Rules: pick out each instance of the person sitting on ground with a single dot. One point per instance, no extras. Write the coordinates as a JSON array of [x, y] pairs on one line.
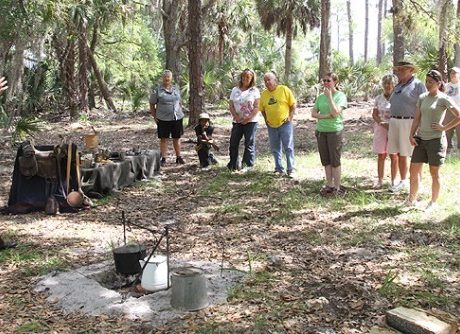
[[453, 90], [430, 144], [328, 109], [381, 116], [204, 131]]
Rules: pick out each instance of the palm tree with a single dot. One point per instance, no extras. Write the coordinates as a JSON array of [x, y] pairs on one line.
[[287, 16], [325, 42]]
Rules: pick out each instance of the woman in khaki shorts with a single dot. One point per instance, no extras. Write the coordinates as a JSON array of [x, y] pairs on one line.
[[430, 143]]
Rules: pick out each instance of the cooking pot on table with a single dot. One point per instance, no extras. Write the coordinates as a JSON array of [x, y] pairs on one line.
[[127, 259]]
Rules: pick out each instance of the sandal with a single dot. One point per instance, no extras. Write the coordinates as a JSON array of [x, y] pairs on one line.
[[325, 190], [339, 192]]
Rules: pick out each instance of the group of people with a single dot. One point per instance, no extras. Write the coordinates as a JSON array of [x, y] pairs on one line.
[[411, 120]]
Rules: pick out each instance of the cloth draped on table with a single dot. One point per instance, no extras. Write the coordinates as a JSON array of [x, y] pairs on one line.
[[102, 180]]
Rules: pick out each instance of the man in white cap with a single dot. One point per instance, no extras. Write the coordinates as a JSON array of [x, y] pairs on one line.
[[403, 107], [453, 90]]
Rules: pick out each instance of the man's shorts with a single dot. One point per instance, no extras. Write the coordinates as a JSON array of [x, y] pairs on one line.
[[398, 137], [330, 147], [431, 151], [170, 129]]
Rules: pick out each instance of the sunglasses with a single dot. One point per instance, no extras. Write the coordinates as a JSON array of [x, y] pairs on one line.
[[327, 80]]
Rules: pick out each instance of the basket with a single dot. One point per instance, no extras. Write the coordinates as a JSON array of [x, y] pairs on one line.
[[91, 141]]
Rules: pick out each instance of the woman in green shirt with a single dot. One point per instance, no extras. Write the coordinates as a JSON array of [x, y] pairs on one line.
[[328, 110]]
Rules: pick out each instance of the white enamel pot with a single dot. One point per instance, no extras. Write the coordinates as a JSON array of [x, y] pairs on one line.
[[155, 274]]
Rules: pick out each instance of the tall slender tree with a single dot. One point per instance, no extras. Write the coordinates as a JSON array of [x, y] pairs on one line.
[[325, 42], [379, 33], [195, 55], [366, 29], [446, 9], [457, 30], [286, 16], [398, 30], [350, 33]]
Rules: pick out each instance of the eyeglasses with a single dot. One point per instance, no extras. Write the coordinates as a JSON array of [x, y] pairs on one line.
[[327, 80]]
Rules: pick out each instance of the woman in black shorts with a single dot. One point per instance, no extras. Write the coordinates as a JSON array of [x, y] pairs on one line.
[[166, 108], [430, 142]]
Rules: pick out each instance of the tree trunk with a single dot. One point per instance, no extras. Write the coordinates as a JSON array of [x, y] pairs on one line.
[[288, 51], [366, 29], [457, 29], [385, 11], [350, 33], [379, 33], [91, 83], [173, 36], [16, 73], [325, 42], [83, 69], [443, 22], [101, 83], [398, 31], [195, 55], [70, 79], [223, 30]]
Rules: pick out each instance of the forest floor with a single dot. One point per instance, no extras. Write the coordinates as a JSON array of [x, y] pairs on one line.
[[314, 264]]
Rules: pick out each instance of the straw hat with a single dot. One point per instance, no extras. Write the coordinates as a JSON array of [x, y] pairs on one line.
[[203, 115], [406, 64]]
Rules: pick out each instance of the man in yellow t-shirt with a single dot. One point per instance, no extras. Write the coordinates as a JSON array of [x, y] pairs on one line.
[[278, 104]]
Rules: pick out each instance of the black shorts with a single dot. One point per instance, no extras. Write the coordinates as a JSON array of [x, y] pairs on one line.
[[431, 151], [170, 129]]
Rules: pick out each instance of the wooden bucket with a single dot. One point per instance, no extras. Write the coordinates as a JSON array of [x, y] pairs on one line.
[[91, 140]]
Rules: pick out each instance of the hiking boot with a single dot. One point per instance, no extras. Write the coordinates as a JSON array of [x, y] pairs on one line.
[[180, 160]]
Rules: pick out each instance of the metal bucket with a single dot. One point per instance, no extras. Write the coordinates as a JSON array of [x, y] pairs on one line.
[[189, 289]]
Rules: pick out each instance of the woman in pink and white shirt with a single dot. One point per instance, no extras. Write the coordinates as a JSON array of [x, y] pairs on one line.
[[381, 115]]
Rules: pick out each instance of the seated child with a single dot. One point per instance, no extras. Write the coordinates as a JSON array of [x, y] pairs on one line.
[[204, 131]]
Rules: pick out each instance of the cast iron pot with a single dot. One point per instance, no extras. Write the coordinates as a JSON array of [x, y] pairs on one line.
[[127, 259]]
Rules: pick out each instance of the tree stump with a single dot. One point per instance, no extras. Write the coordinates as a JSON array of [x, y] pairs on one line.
[[189, 289]]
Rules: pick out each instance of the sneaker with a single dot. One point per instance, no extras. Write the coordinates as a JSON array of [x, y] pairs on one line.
[[163, 162], [180, 160], [401, 186], [432, 206], [292, 174], [206, 168], [246, 169], [277, 172]]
